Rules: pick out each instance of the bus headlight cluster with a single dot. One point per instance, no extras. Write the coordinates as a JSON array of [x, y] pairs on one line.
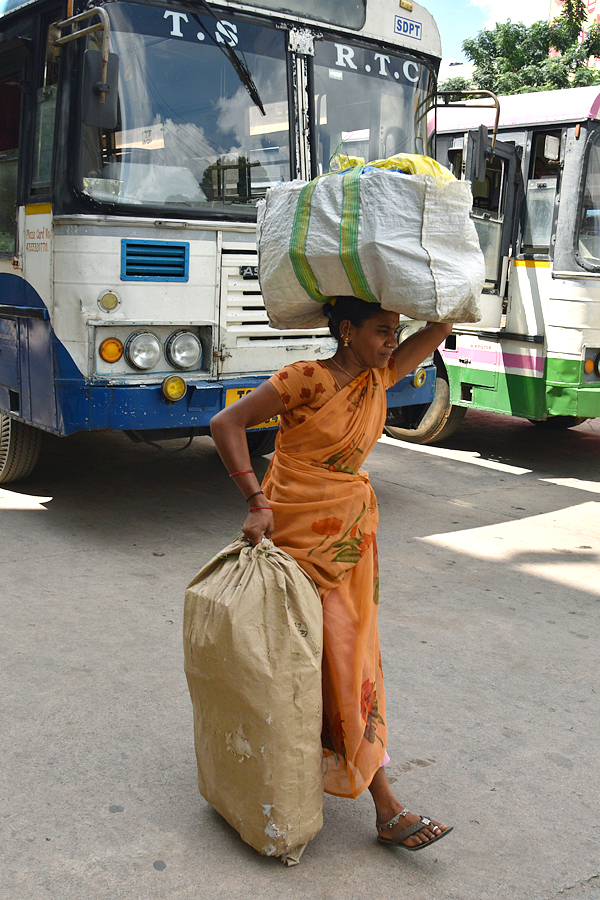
[[143, 350]]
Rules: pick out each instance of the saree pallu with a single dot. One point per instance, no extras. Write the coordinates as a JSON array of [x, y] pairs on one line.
[[326, 518]]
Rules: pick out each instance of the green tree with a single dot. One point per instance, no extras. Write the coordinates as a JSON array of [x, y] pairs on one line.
[[455, 84], [512, 58]]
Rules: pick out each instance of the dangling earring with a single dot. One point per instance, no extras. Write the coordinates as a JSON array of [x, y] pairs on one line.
[[345, 340]]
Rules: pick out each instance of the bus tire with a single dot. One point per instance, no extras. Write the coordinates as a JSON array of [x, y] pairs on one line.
[[19, 449], [428, 423], [559, 423], [261, 442]]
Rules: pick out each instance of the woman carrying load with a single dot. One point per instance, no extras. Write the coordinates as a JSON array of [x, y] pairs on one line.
[[316, 504]]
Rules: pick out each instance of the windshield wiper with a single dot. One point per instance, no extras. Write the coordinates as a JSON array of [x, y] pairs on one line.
[[239, 64]]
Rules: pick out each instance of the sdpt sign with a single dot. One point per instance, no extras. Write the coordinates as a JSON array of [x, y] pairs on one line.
[[408, 28]]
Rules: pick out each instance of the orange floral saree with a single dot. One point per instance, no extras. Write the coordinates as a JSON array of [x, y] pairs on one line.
[[326, 518]]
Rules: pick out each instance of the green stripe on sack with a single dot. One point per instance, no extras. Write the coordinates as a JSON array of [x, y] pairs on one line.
[[348, 239], [297, 250], [349, 236]]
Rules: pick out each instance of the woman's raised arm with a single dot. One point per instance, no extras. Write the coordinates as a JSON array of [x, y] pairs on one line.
[[411, 352]]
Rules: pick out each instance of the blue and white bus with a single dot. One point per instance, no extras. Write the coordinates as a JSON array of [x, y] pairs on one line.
[[135, 140]]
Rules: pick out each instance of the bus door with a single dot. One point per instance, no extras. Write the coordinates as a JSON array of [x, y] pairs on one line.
[[472, 357], [12, 77], [27, 111], [495, 180], [495, 186]]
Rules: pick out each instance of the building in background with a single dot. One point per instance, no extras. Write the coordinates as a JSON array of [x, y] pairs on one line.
[[593, 10]]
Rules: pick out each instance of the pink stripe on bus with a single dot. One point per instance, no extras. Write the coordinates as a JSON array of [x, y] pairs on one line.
[[520, 361], [493, 360]]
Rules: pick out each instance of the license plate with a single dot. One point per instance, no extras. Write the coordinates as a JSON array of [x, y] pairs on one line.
[[233, 394]]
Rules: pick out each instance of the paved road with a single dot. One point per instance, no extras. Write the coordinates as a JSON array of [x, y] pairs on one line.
[[490, 621]]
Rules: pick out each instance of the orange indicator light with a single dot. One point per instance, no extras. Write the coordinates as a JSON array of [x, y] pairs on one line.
[[111, 350]]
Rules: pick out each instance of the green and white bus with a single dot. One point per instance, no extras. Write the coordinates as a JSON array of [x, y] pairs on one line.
[[536, 208]]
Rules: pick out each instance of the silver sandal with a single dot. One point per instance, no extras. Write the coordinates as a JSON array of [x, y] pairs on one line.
[[397, 840]]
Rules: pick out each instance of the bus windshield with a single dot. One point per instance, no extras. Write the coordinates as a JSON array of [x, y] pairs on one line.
[[589, 219], [188, 134], [190, 138], [369, 104]]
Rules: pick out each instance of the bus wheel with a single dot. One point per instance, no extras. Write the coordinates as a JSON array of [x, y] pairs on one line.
[[427, 423], [261, 442], [19, 449], [558, 423]]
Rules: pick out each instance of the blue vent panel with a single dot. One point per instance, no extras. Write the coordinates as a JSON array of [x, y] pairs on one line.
[[154, 261]]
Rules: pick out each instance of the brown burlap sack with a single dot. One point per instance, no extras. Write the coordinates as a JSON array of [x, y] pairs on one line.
[[253, 644]]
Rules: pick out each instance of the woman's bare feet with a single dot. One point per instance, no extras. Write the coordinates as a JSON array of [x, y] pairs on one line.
[[389, 808]]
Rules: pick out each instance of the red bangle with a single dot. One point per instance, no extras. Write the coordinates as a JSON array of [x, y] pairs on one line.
[[252, 508], [245, 472]]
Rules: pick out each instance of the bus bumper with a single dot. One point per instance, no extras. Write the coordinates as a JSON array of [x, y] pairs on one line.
[[90, 407]]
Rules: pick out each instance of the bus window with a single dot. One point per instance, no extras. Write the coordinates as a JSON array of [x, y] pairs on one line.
[[488, 215], [455, 161], [368, 105], [589, 218], [45, 116], [188, 135], [10, 114], [541, 192]]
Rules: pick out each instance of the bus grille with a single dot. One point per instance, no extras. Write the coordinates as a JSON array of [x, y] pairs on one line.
[[154, 261], [246, 317]]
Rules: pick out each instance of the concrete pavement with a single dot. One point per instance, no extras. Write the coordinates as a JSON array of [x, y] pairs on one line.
[[490, 622]]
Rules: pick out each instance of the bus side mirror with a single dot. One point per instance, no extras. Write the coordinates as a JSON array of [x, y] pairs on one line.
[[94, 112]]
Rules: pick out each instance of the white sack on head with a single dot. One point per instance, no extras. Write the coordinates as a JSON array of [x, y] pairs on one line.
[[405, 241]]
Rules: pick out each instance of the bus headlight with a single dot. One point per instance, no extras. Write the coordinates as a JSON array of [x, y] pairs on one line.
[[183, 350], [407, 329], [142, 350]]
